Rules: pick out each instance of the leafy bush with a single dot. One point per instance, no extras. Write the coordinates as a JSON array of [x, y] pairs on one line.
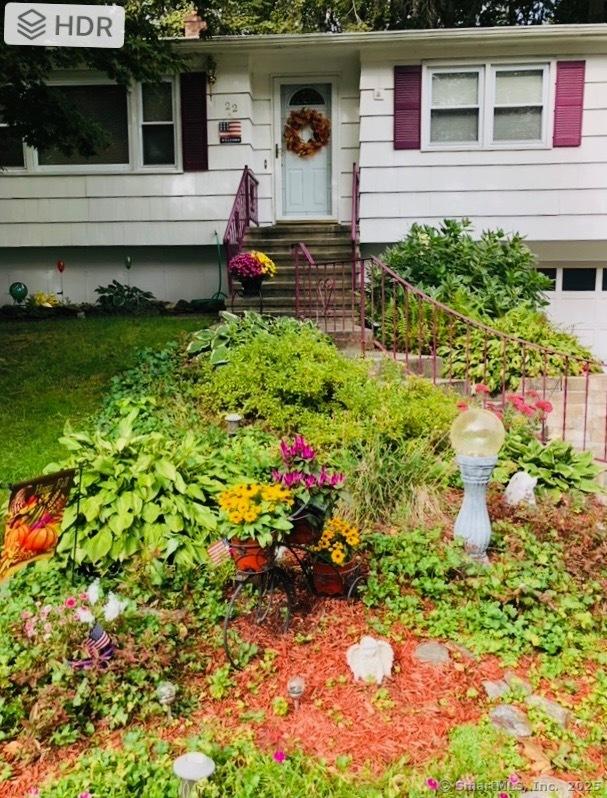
[[478, 357], [559, 468], [302, 383], [117, 296], [144, 495], [238, 330], [526, 600], [496, 272]]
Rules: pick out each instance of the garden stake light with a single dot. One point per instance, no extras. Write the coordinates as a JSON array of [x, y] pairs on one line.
[[191, 769], [477, 436], [233, 422], [295, 689]]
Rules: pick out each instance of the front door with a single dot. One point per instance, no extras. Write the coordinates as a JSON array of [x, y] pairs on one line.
[[306, 181]]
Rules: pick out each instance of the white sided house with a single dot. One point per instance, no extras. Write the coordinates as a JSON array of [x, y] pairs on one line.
[[506, 126]]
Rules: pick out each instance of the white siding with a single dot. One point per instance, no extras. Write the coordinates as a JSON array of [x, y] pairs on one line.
[[165, 209], [546, 194]]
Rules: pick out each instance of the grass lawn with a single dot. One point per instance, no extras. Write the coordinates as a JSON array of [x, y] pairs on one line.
[[52, 371]]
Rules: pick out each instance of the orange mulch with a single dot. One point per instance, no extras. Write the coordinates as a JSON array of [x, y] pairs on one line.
[[412, 715]]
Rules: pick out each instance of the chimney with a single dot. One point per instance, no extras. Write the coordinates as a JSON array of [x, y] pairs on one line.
[[193, 26]]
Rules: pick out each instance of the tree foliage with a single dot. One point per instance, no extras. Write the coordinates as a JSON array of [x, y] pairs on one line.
[[42, 117]]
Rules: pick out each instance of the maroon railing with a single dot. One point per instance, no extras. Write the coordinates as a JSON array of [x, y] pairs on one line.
[[355, 221], [244, 212], [432, 340], [323, 292]]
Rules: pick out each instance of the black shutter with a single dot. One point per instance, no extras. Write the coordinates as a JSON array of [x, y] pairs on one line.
[[194, 121]]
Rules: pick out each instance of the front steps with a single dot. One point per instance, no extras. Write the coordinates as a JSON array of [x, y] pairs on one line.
[[330, 245]]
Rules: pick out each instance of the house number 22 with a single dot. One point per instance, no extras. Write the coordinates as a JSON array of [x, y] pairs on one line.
[[231, 108]]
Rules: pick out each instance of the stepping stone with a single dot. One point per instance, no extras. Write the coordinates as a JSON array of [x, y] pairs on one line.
[[495, 690], [555, 711], [432, 653], [549, 786], [511, 720], [516, 682]]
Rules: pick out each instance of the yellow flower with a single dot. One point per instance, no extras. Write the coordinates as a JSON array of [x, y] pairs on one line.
[[338, 557]]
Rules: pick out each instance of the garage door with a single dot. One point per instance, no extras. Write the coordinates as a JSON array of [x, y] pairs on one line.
[[578, 303]]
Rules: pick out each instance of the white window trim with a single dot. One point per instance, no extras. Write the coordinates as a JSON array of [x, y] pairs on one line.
[[134, 119], [176, 122], [542, 142], [487, 71]]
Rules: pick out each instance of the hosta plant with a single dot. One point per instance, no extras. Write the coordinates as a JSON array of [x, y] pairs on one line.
[[142, 496]]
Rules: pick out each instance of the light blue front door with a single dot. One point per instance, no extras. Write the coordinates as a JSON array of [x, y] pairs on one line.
[[306, 182]]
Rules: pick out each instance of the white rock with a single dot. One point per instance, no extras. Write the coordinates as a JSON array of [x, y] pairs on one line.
[[371, 659]]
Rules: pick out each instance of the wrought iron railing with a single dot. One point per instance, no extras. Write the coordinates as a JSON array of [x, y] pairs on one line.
[[324, 292], [244, 212], [385, 312]]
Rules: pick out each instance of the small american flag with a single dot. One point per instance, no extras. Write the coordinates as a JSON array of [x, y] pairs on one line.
[[99, 645], [219, 552]]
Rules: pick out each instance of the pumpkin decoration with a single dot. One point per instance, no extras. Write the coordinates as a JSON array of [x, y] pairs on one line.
[[296, 122]]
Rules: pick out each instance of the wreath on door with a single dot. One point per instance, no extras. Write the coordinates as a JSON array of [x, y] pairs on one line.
[[296, 122]]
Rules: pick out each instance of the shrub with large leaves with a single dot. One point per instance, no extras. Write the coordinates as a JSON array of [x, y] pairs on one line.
[[144, 495], [495, 272]]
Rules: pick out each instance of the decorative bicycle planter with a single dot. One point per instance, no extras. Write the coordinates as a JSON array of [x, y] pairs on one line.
[[307, 526]]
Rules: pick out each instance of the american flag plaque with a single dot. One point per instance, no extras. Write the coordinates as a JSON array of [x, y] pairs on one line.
[[230, 132]]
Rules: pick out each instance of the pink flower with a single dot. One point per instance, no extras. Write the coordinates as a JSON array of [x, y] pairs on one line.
[[544, 405], [525, 409], [462, 406], [515, 399], [514, 779], [26, 614], [481, 388], [85, 794], [533, 394], [70, 603], [33, 792], [84, 597], [432, 784], [45, 611], [279, 756], [30, 628], [503, 795]]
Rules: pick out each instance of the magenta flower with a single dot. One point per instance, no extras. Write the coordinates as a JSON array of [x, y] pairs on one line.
[[245, 265], [514, 779], [432, 784], [85, 794], [503, 795], [70, 603], [279, 756], [481, 388], [544, 405]]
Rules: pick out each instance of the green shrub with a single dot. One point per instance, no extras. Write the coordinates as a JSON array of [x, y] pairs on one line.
[[300, 383], [150, 496], [496, 272], [235, 331], [479, 357], [559, 468], [117, 297]]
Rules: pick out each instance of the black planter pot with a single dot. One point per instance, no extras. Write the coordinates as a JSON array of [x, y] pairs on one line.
[[251, 286]]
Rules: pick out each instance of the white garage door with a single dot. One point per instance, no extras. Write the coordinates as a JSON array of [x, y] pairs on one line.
[[578, 303]]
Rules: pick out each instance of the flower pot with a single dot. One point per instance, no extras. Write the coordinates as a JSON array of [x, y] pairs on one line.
[[307, 527], [251, 286], [250, 557], [333, 580]]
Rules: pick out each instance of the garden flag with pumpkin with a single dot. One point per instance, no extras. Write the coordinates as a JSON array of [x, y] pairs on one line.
[[33, 522]]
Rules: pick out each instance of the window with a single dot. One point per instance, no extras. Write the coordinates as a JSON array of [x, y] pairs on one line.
[[579, 279], [11, 148], [307, 96], [519, 104], [106, 105], [604, 279], [489, 105], [157, 124], [455, 106], [550, 273]]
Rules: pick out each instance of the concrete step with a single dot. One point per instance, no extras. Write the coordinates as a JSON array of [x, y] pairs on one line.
[[255, 237], [298, 229], [321, 254]]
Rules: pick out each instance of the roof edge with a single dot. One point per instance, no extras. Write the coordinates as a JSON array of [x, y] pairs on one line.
[[520, 33]]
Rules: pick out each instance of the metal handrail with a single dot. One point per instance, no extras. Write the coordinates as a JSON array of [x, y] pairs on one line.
[[244, 212]]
